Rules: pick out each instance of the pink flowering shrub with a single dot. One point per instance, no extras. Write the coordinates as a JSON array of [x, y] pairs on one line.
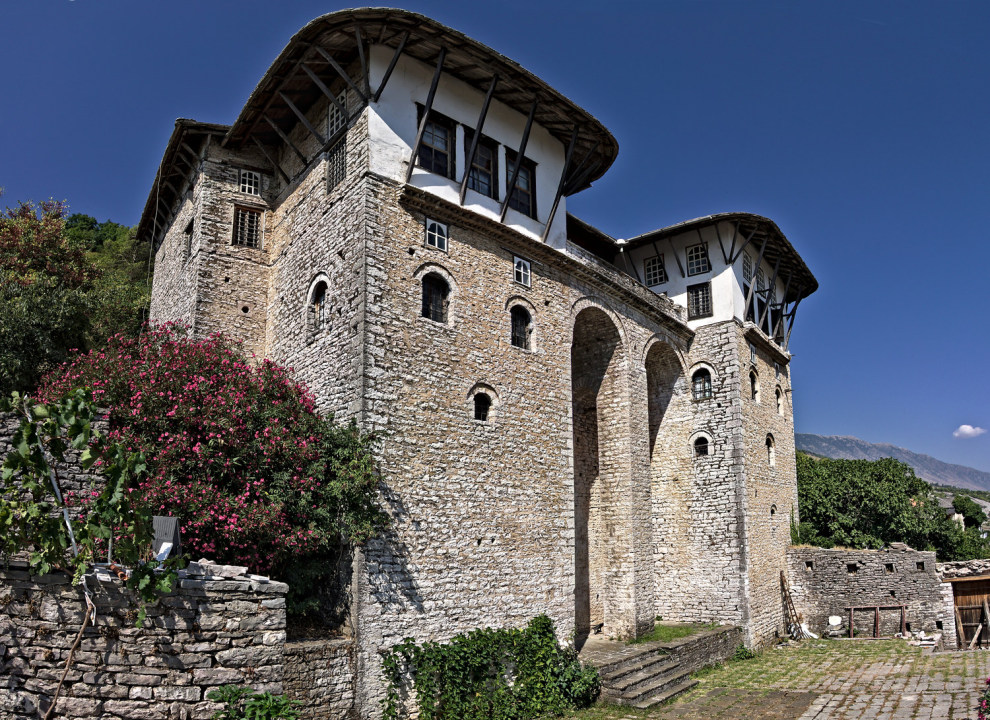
[[983, 712], [236, 451]]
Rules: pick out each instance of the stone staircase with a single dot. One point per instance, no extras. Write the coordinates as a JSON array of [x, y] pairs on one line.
[[647, 674]]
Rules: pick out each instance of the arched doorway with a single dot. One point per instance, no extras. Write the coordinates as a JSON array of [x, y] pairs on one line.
[[600, 406]]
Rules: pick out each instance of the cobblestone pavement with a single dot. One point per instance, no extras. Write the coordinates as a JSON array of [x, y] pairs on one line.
[[835, 680]]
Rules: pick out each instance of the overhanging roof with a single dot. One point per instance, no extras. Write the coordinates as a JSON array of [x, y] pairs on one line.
[[344, 36], [757, 230]]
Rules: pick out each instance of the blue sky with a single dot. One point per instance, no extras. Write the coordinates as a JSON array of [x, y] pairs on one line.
[[860, 127]]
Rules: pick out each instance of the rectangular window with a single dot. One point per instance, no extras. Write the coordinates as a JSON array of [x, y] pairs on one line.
[[483, 173], [523, 196], [656, 274], [436, 234], [752, 353], [337, 164], [335, 119], [761, 281], [521, 271], [697, 259], [699, 301], [247, 227], [436, 149], [747, 268], [187, 236], [250, 182]]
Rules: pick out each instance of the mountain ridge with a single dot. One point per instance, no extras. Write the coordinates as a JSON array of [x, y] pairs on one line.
[[847, 447]]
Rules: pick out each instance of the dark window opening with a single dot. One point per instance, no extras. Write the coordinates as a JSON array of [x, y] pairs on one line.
[[701, 385], [436, 149], [317, 309], [888, 568], [522, 325], [699, 301], [701, 447], [852, 568], [523, 197], [337, 164], [809, 565], [482, 404], [435, 293], [483, 173], [938, 624], [754, 387], [247, 227], [187, 236], [920, 565]]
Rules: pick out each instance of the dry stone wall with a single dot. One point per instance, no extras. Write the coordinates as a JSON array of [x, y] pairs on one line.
[[829, 582], [220, 626], [319, 674]]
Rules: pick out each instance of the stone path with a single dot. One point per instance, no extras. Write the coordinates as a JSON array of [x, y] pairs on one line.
[[835, 680]]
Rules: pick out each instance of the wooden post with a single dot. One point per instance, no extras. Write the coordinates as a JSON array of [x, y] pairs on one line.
[[520, 156], [960, 633], [426, 114], [876, 622], [391, 66], [850, 622], [476, 138]]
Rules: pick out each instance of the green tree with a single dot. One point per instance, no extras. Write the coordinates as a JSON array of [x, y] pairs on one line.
[[972, 513]]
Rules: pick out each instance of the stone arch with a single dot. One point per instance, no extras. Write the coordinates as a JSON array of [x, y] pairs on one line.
[[316, 313], [602, 448], [588, 302], [664, 379], [517, 301], [433, 268]]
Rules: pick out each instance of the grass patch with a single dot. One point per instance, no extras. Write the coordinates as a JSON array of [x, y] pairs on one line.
[[674, 631]]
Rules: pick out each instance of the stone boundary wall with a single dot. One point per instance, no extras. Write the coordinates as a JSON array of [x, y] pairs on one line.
[[707, 648], [220, 626], [826, 582], [320, 675], [963, 569]]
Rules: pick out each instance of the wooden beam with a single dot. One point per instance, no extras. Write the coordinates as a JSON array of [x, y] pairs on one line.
[[340, 71], [732, 247], [426, 113], [718, 236], [365, 73], [782, 305], [477, 138], [520, 155], [275, 165], [302, 118], [630, 264], [391, 66], [285, 139], [752, 283], [790, 325], [773, 281], [325, 90], [744, 246], [580, 172], [568, 156], [959, 629], [678, 259]]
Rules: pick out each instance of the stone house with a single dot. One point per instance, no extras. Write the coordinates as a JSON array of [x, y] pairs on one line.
[[596, 429]]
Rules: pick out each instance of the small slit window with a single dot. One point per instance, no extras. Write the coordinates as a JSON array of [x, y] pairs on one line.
[[316, 309], [655, 272], [754, 386], [522, 327], [701, 385], [187, 236], [247, 227], [521, 271], [435, 295], [699, 301], [337, 164], [780, 401], [436, 235], [701, 447], [250, 182], [771, 451], [482, 406], [697, 259], [752, 353]]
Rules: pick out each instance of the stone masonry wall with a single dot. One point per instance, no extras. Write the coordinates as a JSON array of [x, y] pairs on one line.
[[320, 675], [827, 582], [220, 626]]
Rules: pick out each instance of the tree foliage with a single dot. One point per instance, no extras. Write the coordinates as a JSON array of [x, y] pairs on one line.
[[870, 504], [65, 285], [972, 513], [237, 451]]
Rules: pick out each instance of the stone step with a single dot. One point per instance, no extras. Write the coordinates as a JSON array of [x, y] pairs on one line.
[[631, 660], [669, 693], [657, 687], [641, 664], [633, 678]]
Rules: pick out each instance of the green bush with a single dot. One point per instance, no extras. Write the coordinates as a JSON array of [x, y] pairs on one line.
[[241, 703], [491, 674]]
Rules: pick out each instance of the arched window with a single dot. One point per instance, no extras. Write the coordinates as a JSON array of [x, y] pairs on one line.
[[780, 402], [771, 453], [701, 384], [482, 404], [701, 446], [435, 292], [522, 327], [316, 309], [754, 386]]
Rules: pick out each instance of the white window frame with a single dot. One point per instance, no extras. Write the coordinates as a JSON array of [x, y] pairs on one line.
[[250, 182], [522, 271], [436, 234], [700, 263], [335, 121], [653, 266], [747, 268]]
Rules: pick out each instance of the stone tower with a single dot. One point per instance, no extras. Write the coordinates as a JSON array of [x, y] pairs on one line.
[[595, 429]]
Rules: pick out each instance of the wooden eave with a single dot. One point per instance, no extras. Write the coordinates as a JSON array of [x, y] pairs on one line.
[[756, 229], [591, 239], [176, 174], [346, 37]]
